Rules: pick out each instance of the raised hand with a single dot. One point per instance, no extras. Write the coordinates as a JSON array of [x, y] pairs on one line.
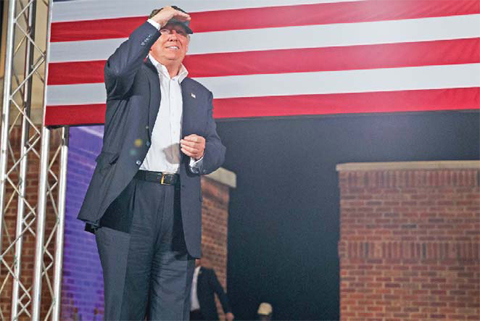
[[166, 13]]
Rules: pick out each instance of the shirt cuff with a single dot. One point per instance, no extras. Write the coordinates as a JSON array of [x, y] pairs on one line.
[[154, 23], [196, 165]]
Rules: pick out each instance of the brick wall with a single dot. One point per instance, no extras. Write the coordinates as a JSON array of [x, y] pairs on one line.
[[216, 197], [82, 284], [410, 241]]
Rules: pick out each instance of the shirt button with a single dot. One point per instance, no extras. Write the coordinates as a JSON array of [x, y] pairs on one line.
[[138, 162]]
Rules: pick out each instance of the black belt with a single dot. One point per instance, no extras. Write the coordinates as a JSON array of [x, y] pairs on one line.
[[158, 177]]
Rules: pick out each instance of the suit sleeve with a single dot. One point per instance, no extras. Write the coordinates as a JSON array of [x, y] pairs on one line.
[[214, 155], [122, 66], [218, 289]]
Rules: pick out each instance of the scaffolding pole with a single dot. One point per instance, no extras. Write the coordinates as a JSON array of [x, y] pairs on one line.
[[39, 214]]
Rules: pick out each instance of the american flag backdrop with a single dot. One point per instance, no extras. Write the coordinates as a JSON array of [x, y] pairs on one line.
[[283, 57]]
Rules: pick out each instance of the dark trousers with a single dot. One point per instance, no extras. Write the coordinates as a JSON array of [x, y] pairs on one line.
[[196, 315], [146, 268]]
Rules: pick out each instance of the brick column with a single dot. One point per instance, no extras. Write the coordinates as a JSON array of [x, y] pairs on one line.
[[410, 241], [216, 197]]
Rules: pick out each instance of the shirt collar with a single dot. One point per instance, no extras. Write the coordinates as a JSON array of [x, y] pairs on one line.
[[162, 70]]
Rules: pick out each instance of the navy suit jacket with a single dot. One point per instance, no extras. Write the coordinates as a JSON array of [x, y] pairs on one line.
[[133, 101]]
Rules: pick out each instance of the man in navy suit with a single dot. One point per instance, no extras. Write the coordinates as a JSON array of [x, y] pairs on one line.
[[144, 200]]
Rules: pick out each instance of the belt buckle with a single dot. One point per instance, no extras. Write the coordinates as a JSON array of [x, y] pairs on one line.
[[162, 180]]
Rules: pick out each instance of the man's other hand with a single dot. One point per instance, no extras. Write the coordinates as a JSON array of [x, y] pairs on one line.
[[229, 316], [193, 146]]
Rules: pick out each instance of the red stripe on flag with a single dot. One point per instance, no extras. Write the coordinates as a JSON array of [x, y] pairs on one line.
[[82, 72], [274, 17], [445, 52], [375, 102], [330, 13], [75, 115]]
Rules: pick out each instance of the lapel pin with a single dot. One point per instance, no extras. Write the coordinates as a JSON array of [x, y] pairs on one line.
[[193, 95]]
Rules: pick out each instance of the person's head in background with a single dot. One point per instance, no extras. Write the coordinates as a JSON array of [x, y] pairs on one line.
[[265, 311]]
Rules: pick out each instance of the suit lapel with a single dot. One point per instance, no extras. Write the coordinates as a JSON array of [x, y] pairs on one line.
[[187, 97], [155, 95]]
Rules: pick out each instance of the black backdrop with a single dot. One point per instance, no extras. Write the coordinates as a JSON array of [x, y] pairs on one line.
[[284, 213]]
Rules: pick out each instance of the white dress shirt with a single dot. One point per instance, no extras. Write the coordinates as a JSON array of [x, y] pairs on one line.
[[164, 154], [195, 305]]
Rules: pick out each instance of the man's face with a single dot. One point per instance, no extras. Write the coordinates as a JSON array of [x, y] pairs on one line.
[[172, 46]]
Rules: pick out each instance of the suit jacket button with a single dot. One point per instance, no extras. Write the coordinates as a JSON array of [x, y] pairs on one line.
[[138, 162], [147, 144]]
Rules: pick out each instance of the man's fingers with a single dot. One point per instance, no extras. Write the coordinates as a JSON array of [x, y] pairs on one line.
[[191, 154], [187, 143], [182, 16], [164, 15], [190, 149], [197, 145], [186, 152], [194, 138], [193, 145]]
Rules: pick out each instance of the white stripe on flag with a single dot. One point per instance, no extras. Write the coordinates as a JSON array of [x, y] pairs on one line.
[[352, 81], [347, 34], [109, 9]]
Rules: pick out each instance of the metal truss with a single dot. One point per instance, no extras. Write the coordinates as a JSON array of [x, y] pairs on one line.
[[32, 205]]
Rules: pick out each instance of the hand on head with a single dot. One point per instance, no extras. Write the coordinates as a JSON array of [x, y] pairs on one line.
[[163, 15]]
